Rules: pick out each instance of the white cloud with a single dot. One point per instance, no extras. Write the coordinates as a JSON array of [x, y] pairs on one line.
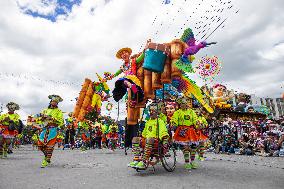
[[275, 54], [45, 7]]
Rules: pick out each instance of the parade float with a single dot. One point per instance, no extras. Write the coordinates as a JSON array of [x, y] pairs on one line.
[[145, 73], [224, 107]]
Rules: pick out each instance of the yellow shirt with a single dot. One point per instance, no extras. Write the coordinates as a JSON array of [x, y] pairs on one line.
[[35, 137], [113, 126], [104, 128], [13, 117], [150, 130], [56, 114], [96, 101], [163, 117], [184, 118]]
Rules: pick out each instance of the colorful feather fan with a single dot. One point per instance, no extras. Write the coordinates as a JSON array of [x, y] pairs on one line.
[[188, 87], [184, 66]]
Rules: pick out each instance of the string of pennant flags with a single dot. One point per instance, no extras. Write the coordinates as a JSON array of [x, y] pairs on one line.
[[210, 20], [22, 77]]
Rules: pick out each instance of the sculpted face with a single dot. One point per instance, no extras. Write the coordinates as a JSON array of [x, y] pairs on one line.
[[170, 109], [219, 91], [153, 112], [125, 56]]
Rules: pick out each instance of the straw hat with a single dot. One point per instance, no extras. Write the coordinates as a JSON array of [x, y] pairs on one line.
[[119, 53]]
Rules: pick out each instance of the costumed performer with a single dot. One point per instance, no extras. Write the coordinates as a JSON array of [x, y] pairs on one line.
[[9, 122], [155, 130], [183, 122], [52, 118]]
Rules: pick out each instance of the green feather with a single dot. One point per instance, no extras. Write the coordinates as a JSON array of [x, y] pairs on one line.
[[184, 66]]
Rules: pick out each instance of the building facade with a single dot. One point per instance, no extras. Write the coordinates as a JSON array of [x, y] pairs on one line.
[[275, 105]]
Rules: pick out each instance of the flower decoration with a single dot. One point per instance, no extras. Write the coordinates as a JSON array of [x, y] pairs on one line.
[[109, 106], [208, 68]]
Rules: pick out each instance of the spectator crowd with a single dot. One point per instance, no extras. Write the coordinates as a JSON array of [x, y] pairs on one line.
[[264, 137]]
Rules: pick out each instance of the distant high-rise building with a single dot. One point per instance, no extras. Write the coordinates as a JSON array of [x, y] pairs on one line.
[[275, 105]]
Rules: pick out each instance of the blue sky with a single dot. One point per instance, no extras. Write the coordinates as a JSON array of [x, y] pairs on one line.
[[63, 7]]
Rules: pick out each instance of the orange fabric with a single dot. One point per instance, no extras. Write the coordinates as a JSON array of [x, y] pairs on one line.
[[185, 134], [85, 138], [104, 139], [201, 136], [112, 136], [5, 131], [50, 143]]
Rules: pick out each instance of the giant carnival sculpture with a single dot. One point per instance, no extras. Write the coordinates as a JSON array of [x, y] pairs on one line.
[[144, 73]]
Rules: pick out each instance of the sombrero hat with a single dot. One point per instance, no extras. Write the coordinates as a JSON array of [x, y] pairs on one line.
[[56, 98], [118, 54]]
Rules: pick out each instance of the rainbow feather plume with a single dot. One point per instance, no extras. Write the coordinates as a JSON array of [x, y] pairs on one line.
[[184, 66], [188, 87]]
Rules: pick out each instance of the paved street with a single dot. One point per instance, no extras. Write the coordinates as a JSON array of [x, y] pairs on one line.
[[106, 169]]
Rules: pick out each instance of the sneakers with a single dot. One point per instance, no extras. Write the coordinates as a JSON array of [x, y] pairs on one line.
[[137, 165], [44, 163], [201, 158], [133, 164], [141, 165], [5, 154], [194, 165], [187, 166]]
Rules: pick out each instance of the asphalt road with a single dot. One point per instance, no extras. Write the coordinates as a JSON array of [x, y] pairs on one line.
[[106, 169]]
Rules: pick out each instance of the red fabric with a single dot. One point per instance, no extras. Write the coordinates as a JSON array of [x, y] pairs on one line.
[[104, 139], [85, 138], [50, 143], [185, 134], [5, 131], [112, 135], [98, 133], [133, 66], [202, 137]]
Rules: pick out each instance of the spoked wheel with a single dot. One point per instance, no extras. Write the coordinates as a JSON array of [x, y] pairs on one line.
[[169, 160]]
